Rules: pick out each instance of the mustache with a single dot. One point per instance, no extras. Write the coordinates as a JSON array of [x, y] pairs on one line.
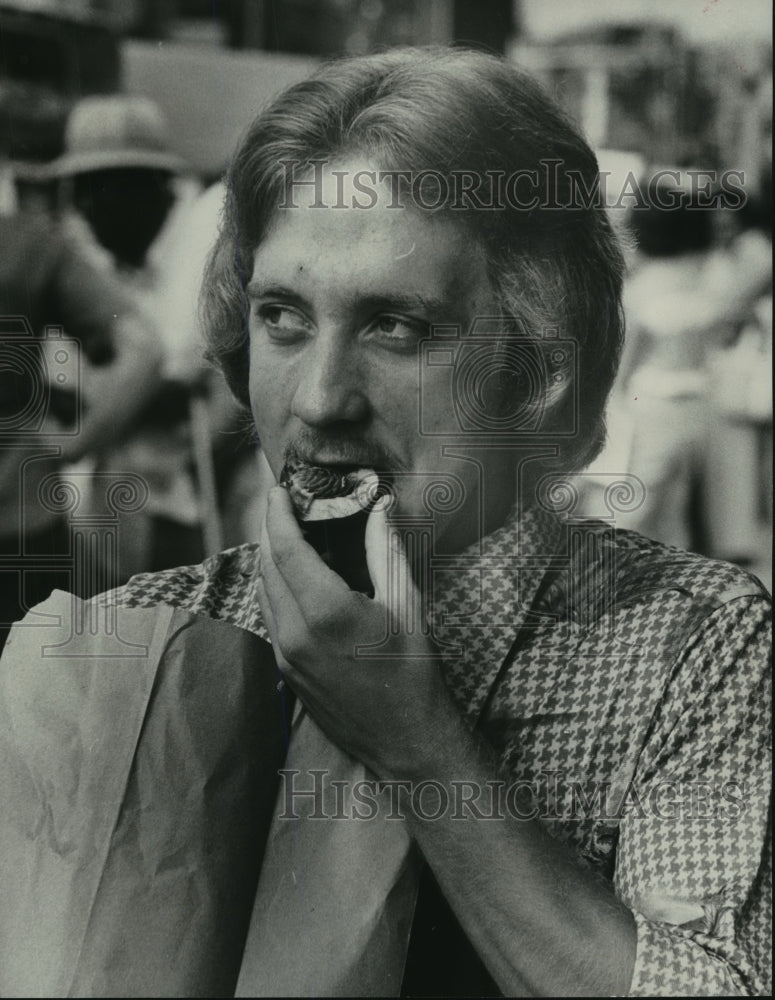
[[346, 449]]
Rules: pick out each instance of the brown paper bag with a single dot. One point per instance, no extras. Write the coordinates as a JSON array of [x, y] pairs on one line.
[[336, 894], [137, 784]]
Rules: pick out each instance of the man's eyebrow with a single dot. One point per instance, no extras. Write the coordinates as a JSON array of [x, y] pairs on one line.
[[258, 289], [368, 301], [403, 301]]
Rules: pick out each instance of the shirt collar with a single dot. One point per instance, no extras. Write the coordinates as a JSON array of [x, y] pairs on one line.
[[482, 597], [479, 601]]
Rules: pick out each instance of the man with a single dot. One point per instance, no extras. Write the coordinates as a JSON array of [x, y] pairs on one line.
[[556, 731], [118, 176]]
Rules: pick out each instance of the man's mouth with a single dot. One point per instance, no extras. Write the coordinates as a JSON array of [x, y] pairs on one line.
[[317, 487], [340, 453]]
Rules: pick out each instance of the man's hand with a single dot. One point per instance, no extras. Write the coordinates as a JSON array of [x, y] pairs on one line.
[[521, 896], [390, 709]]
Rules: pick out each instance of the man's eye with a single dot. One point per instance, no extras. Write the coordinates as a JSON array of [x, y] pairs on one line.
[[282, 322], [397, 332]]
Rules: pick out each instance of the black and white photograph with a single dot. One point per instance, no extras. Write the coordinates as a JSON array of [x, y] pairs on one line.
[[386, 498]]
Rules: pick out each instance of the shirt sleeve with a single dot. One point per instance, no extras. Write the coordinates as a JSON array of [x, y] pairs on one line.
[[693, 862]]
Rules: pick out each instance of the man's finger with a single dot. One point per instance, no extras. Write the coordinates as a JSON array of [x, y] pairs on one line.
[[275, 595], [288, 628], [377, 542], [304, 575], [267, 614], [391, 574]]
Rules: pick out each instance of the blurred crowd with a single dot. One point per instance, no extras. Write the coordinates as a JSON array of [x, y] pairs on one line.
[[103, 386], [690, 416], [102, 380]]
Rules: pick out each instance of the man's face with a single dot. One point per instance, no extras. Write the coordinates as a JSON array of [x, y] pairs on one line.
[[340, 300]]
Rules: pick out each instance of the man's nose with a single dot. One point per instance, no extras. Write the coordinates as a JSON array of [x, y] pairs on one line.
[[330, 388]]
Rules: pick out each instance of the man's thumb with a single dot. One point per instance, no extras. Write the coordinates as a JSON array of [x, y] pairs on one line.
[[390, 572]]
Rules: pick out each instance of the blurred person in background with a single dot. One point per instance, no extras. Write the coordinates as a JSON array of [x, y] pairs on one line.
[[738, 494], [53, 274], [685, 297], [118, 176], [230, 506]]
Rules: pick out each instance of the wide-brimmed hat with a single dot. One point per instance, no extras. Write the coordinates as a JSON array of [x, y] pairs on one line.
[[104, 133]]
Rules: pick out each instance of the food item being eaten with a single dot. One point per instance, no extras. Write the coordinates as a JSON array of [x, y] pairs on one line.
[[320, 492], [332, 505]]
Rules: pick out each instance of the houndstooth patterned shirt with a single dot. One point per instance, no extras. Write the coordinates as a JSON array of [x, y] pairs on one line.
[[626, 686]]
